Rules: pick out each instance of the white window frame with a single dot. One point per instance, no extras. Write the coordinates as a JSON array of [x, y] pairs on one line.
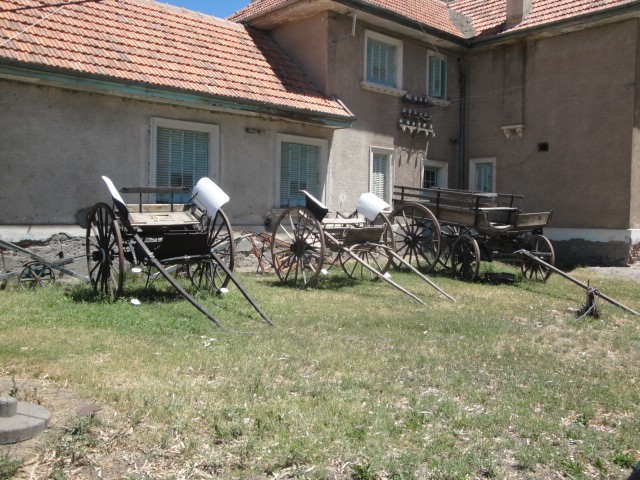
[[443, 172], [397, 89], [214, 144], [432, 53], [388, 152], [472, 172], [323, 162]]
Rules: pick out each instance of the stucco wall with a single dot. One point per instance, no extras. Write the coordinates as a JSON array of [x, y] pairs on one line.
[[635, 162], [578, 96], [56, 144]]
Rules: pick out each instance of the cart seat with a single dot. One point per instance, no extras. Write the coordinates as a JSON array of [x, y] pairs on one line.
[[315, 206]]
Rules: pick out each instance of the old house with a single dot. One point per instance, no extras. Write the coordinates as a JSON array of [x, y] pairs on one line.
[[521, 96]]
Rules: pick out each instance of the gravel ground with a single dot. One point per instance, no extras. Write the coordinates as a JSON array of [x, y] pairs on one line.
[[632, 272]]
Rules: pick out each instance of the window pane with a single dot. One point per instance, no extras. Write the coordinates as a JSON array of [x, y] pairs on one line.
[[182, 158], [381, 63], [298, 171], [430, 177]]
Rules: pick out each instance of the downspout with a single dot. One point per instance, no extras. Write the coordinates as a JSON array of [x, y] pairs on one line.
[[462, 121]]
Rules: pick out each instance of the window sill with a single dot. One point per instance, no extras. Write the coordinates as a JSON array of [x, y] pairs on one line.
[[438, 102], [396, 92]]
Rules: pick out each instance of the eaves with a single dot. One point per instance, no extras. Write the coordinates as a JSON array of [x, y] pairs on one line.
[[615, 14], [36, 74]]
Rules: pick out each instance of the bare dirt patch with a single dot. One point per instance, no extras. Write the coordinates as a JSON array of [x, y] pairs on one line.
[[63, 405]]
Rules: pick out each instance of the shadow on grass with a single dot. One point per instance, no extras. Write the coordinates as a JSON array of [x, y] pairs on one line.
[[84, 293], [329, 282]]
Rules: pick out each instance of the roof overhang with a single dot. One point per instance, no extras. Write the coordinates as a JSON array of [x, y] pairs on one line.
[[366, 12], [616, 14], [35, 74]]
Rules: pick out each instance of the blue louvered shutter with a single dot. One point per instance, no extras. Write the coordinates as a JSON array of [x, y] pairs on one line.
[[379, 174], [381, 63], [298, 171], [484, 177], [182, 158], [437, 77]]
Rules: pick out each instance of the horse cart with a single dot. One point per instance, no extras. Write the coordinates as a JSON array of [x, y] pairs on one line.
[[155, 238], [436, 228], [305, 239]]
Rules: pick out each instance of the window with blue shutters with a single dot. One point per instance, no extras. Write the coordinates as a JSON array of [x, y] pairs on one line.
[[182, 158], [383, 60], [181, 154], [436, 75], [299, 164], [482, 175], [380, 173]]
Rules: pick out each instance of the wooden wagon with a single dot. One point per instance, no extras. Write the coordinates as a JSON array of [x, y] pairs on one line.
[[456, 229]]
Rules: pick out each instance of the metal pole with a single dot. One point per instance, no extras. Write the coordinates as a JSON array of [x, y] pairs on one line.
[[242, 290], [416, 271], [380, 275], [576, 281], [172, 281]]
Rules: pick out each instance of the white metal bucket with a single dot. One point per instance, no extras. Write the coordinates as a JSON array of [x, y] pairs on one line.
[[370, 205], [208, 196]]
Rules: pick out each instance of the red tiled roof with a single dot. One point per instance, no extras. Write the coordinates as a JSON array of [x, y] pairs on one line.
[[490, 15], [483, 16], [430, 12], [161, 46]]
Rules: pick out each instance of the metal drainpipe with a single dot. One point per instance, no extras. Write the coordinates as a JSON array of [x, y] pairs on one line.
[[462, 138]]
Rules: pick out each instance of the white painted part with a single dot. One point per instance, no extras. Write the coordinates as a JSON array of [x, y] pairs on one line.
[[324, 271], [113, 190], [386, 275], [224, 291], [135, 301], [371, 205], [136, 270], [208, 196]]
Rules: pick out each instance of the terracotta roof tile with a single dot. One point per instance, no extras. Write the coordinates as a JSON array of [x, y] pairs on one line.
[[462, 18], [489, 16], [161, 46]]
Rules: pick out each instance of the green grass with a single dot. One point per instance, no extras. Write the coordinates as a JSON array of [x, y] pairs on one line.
[[356, 381]]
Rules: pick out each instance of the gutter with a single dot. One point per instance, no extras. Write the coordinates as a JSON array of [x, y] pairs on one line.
[[366, 7], [36, 74]]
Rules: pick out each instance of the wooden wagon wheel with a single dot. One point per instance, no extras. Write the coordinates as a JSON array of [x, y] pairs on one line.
[[297, 250], [208, 273], [541, 247], [36, 274], [105, 256], [465, 258], [417, 235], [374, 256]]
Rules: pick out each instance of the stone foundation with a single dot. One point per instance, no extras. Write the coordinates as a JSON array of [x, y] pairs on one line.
[[579, 252]]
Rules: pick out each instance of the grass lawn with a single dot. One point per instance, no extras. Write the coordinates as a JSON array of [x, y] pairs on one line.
[[355, 381]]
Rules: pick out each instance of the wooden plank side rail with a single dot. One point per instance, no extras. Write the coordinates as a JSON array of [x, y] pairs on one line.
[[454, 198]]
